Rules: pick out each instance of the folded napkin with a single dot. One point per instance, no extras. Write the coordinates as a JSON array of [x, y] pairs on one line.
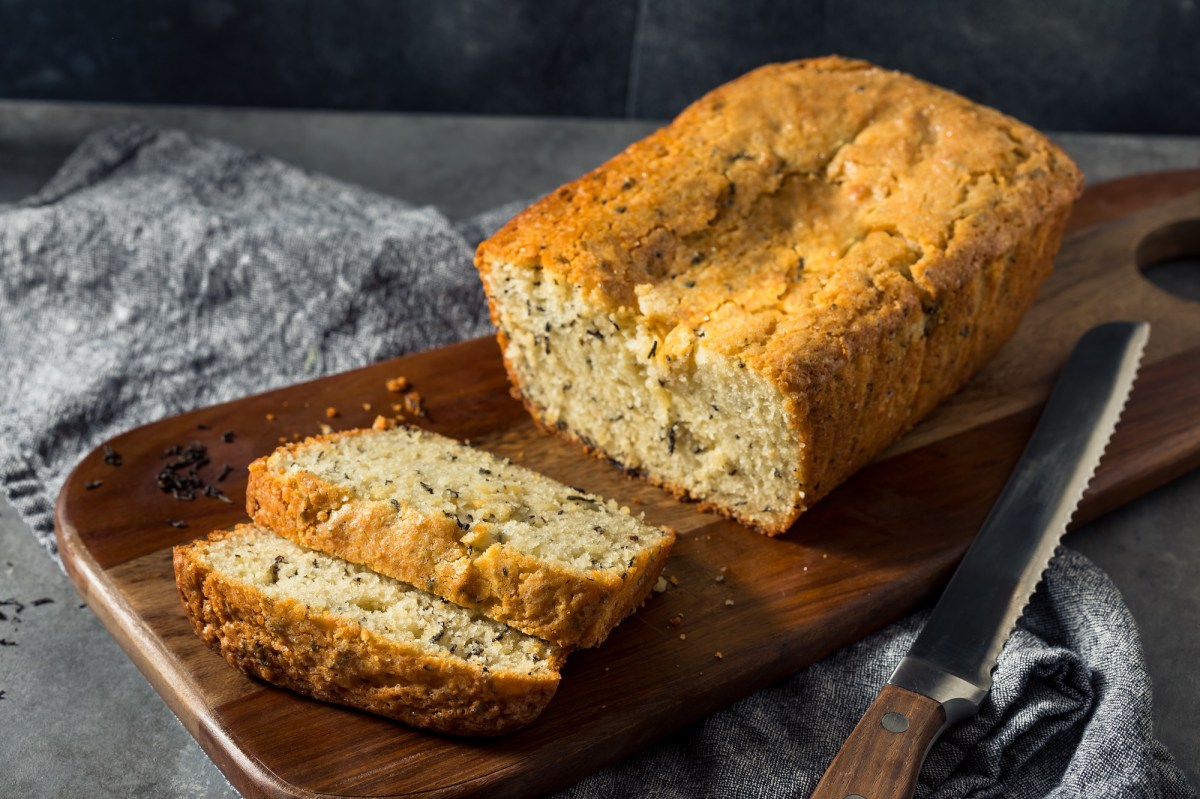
[[159, 272]]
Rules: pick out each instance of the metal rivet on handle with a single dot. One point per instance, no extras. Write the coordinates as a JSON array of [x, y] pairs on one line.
[[895, 722]]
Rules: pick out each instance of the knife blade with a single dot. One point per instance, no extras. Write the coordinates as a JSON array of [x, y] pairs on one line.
[[947, 672]]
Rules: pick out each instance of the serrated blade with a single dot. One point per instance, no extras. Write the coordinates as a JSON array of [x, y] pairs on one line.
[[952, 659]]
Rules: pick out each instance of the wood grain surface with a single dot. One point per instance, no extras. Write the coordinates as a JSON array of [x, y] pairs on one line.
[[742, 612]]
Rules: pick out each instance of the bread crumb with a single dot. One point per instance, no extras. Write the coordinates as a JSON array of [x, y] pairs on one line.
[[397, 407], [331, 412], [325, 429], [366, 406], [676, 620], [683, 636], [383, 423], [270, 417], [397, 384], [718, 655], [660, 585], [283, 439], [720, 578], [412, 404], [672, 579], [728, 603]]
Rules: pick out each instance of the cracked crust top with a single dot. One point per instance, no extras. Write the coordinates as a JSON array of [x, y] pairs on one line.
[[878, 175]]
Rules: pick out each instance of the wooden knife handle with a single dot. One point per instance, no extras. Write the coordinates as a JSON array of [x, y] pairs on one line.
[[883, 755]]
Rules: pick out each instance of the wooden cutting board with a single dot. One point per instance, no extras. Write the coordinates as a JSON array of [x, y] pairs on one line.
[[742, 612]]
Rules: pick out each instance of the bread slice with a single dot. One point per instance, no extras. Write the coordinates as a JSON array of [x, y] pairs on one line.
[[753, 302], [549, 560], [341, 633]]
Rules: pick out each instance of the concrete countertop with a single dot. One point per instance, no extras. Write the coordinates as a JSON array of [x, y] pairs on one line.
[[78, 719]]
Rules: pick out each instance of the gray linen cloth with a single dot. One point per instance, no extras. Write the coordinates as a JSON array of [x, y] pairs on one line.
[[159, 272]]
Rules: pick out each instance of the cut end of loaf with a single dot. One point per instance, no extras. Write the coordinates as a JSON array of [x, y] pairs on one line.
[[688, 419]]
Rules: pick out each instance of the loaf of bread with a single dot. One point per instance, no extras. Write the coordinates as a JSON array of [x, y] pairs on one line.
[[339, 632], [754, 301], [552, 561]]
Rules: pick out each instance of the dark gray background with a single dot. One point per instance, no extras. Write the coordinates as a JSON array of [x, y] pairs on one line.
[[1129, 66]]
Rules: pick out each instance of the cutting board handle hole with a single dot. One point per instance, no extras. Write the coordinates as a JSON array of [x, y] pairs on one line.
[[1169, 257]]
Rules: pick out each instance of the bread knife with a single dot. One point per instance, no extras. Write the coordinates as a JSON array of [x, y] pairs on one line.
[[947, 672]]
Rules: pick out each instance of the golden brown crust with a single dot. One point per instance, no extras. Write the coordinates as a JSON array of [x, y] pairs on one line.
[[333, 659], [570, 607], [863, 239], [854, 134]]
